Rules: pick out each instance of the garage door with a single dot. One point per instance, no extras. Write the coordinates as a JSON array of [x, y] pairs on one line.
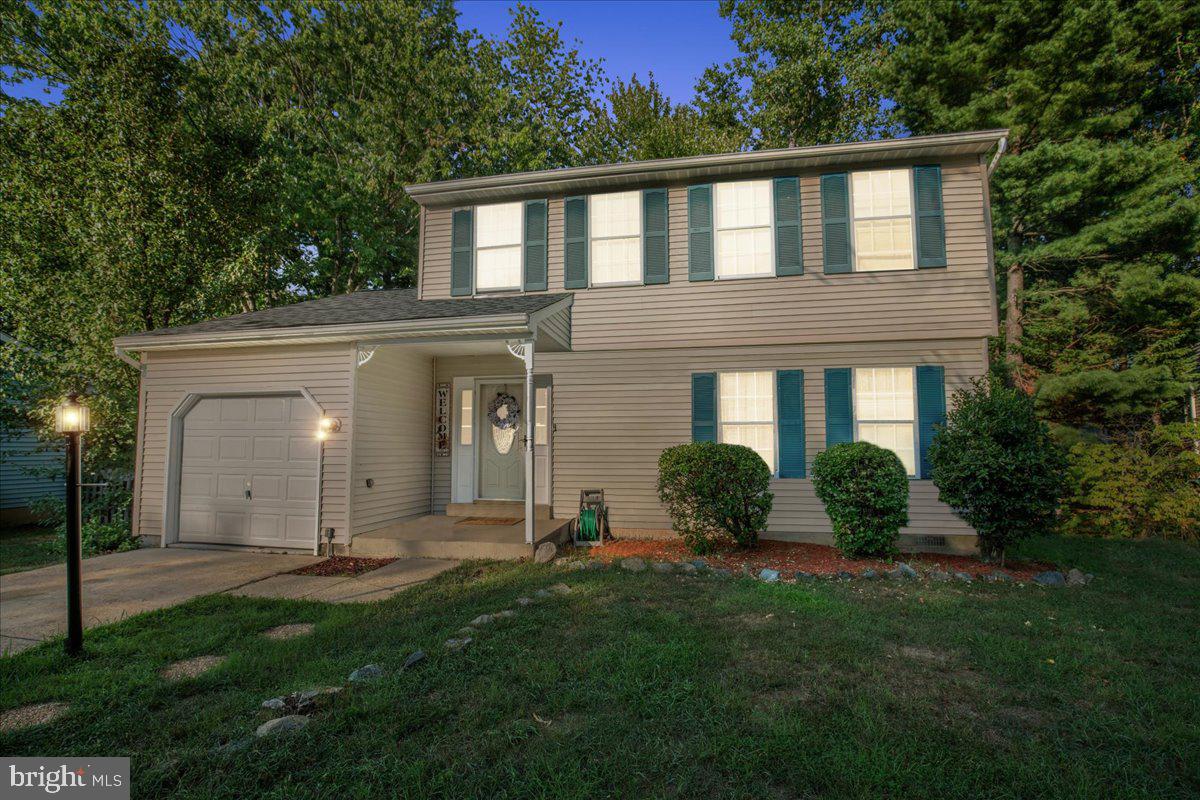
[[249, 472]]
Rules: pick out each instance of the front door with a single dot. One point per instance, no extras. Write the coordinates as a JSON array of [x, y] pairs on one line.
[[501, 426]]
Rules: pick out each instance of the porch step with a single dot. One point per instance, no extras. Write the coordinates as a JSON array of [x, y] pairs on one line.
[[442, 537], [512, 509]]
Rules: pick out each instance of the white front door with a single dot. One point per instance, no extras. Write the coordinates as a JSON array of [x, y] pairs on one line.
[[501, 457], [249, 472]]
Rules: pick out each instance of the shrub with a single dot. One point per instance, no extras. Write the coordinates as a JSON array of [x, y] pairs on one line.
[[865, 491], [995, 464], [1149, 487], [715, 492]]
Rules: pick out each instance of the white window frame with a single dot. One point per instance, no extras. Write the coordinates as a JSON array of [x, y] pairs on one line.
[[912, 220], [774, 411], [475, 248], [716, 231], [641, 245], [854, 407]]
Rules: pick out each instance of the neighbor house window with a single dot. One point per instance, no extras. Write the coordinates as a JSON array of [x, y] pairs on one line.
[[743, 229], [884, 411], [883, 224], [498, 246], [746, 408], [615, 225], [541, 416], [466, 413]]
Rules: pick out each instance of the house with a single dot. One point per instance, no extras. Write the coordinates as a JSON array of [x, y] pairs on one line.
[[566, 327], [27, 466]]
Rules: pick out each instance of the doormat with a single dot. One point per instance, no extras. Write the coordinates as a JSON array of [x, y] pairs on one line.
[[490, 521]]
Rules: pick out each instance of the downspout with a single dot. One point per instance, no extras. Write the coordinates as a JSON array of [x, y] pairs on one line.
[[524, 351]]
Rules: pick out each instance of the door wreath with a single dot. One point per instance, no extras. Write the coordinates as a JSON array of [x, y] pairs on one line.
[[504, 411]]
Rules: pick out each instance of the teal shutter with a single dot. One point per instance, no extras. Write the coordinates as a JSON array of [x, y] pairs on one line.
[[931, 410], [931, 222], [704, 406], [789, 399], [835, 222], [536, 238], [655, 265], [700, 233], [462, 255], [575, 244], [788, 246], [839, 407]]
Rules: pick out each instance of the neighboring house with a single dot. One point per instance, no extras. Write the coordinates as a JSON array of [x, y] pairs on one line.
[[24, 464], [784, 299]]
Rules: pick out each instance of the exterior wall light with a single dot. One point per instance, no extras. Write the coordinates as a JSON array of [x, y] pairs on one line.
[[326, 426]]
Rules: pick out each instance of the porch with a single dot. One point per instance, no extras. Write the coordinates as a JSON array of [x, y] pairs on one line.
[[486, 529]]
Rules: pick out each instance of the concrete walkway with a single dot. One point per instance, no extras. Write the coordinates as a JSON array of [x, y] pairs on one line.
[[378, 584], [118, 585]]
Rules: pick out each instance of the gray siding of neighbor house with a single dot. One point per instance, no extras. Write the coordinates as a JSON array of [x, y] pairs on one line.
[[393, 407], [21, 452], [325, 370], [954, 302], [614, 413]]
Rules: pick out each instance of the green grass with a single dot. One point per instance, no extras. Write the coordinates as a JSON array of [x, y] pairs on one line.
[[27, 547], [654, 686]]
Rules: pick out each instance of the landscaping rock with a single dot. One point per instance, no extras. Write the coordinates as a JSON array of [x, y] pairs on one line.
[[22, 717], [235, 746], [597, 564], [1076, 578], [505, 614], [996, 576], [575, 566], [524, 601], [633, 564], [545, 553], [413, 659], [939, 575], [662, 566], [688, 568], [481, 620], [845, 576], [769, 575], [721, 572], [542, 594], [292, 722], [1050, 578], [318, 696], [698, 563], [274, 704], [371, 672], [965, 577], [458, 644], [805, 576], [906, 571], [869, 575]]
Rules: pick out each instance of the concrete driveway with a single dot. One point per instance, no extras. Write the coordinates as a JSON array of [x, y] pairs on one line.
[[118, 585]]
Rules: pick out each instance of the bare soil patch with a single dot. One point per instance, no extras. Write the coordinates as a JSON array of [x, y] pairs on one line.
[[192, 667], [792, 557], [343, 565], [290, 631], [16, 719]]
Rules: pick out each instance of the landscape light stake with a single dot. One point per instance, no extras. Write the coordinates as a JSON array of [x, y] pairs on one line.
[[72, 418]]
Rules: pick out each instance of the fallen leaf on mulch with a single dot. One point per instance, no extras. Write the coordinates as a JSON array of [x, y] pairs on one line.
[[790, 557], [343, 565]]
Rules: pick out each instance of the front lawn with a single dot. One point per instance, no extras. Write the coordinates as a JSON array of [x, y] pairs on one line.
[[638, 685], [27, 547]]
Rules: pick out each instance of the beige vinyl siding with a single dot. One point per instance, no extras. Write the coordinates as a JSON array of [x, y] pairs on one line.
[[446, 369], [324, 370], [956, 301], [393, 445], [614, 415]]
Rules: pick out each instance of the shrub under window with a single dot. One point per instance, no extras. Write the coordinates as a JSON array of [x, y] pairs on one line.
[[865, 491], [715, 492]]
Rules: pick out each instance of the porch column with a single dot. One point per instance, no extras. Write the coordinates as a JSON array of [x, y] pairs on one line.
[[524, 351]]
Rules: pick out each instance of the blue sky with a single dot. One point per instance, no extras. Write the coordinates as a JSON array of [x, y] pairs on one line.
[[627, 34]]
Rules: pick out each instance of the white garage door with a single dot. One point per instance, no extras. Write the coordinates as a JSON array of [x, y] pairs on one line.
[[249, 472]]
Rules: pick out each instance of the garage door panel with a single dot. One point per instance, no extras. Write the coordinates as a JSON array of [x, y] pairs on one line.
[[265, 444]]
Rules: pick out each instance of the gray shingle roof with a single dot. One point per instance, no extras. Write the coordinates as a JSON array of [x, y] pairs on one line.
[[381, 305]]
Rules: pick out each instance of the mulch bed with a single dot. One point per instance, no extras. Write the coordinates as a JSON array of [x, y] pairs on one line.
[[343, 565], [790, 557]]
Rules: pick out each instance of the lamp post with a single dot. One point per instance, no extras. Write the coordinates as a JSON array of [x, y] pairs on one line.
[[73, 419]]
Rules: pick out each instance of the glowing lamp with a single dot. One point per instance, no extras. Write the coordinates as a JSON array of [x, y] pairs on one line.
[[71, 416]]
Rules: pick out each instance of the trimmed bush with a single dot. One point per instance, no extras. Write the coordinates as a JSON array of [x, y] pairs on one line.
[[865, 491], [715, 492], [995, 464]]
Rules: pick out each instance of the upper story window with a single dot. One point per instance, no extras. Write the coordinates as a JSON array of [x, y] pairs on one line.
[[885, 411], [743, 229], [498, 246], [746, 409], [615, 228], [883, 219]]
